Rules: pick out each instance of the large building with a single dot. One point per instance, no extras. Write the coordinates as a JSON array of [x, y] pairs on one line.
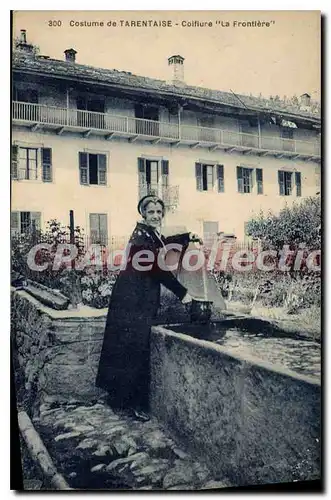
[[94, 140]]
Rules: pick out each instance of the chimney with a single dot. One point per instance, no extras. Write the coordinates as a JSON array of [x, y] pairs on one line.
[[176, 65], [23, 36], [22, 44], [70, 55], [305, 100]]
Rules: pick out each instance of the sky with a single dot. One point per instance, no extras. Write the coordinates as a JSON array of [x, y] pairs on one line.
[[282, 59]]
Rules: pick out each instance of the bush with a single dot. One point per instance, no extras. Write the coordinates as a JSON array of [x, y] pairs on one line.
[[300, 223], [97, 287]]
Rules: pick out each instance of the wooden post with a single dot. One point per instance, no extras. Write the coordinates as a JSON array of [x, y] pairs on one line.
[[67, 117], [72, 227], [179, 121], [39, 453], [259, 131]]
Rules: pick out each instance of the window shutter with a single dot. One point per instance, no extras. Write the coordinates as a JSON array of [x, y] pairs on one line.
[[288, 183], [220, 178], [240, 180], [142, 177], [46, 160], [14, 163], [102, 169], [259, 180], [103, 226], [35, 220], [94, 228], [165, 173], [198, 176], [298, 182], [14, 223], [281, 182], [83, 168], [210, 177]]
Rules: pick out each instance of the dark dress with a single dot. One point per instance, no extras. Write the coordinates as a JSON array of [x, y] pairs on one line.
[[124, 363]]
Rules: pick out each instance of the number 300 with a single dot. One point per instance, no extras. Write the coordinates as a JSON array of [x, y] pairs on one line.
[[54, 23]]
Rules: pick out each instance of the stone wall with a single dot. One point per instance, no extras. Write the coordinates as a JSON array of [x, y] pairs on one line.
[[250, 421], [253, 422], [57, 352]]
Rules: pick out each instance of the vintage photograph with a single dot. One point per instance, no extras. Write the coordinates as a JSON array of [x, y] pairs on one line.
[[166, 249]]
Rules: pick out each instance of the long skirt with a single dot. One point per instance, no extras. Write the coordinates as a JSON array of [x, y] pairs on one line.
[[124, 368]]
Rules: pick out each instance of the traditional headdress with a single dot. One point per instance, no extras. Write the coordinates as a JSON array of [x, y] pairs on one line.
[[150, 198]]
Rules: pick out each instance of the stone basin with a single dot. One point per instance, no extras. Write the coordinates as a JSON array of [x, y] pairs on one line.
[[261, 339]]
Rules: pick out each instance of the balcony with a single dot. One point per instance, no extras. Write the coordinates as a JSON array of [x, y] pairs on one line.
[[37, 116]]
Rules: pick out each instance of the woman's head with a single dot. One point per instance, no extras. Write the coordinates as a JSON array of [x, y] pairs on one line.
[[152, 209]]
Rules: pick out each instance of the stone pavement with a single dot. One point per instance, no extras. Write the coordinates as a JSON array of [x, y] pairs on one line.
[[96, 448]]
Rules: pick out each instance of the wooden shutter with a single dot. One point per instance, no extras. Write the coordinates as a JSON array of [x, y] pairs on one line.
[[210, 177], [142, 177], [14, 223], [94, 228], [198, 176], [103, 229], [298, 182], [14, 162], [83, 168], [259, 180], [102, 169], [46, 160], [281, 182], [240, 180], [35, 218], [220, 178], [165, 173]]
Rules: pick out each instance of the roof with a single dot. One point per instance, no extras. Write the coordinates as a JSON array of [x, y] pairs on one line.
[[114, 78]]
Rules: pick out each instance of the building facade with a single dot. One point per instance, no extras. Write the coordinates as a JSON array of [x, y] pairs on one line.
[[95, 140]]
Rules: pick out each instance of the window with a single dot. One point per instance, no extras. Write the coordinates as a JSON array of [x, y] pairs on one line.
[[298, 183], [30, 96], [287, 133], [288, 143], [220, 178], [46, 164], [144, 113], [259, 180], [153, 176], [90, 112], [244, 179], [25, 163], [210, 230], [99, 229], [205, 177], [92, 169], [285, 182], [25, 95], [24, 222], [206, 125]]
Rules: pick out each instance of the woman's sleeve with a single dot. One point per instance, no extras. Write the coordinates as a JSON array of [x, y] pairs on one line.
[[180, 239], [140, 242], [167, 279]]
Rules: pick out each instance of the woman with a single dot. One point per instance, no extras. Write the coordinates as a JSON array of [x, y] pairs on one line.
[[124, 362]]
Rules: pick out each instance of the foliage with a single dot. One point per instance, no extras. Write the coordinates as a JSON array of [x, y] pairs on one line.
[[86, 285], [97, 287], [275, 289], [293, 226]]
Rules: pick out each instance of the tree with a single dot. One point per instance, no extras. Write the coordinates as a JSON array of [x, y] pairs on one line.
[[300, 223]]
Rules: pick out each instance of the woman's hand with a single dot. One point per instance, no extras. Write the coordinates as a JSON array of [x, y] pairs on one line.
[[195, 238], [187, 299]]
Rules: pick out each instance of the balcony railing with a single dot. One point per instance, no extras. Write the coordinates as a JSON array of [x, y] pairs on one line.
[[111, 125]]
